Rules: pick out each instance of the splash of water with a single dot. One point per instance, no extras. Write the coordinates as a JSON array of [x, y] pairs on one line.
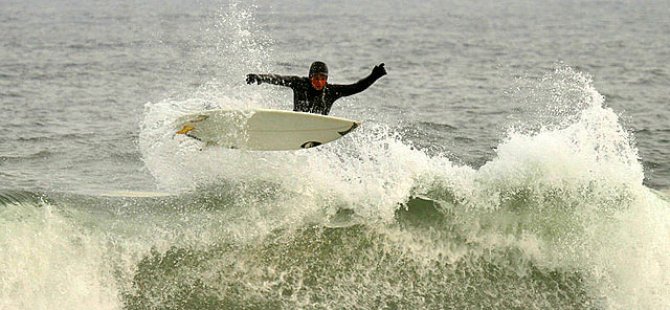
[[569, 195], [563, 195], [47, 261]]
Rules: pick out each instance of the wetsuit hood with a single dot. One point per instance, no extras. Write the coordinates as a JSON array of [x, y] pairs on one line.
[[318, 67]]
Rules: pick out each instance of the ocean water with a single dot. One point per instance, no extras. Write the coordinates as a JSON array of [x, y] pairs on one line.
[[514, 157]]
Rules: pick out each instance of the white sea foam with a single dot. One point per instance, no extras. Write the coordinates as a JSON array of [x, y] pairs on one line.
[[46, 262], [571, 197], [566, 191]]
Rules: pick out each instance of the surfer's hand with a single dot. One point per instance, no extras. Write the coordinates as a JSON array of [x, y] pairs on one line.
[[253, 78], [379, 70]]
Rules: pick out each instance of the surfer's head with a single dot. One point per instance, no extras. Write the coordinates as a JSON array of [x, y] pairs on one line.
[[318, 75]]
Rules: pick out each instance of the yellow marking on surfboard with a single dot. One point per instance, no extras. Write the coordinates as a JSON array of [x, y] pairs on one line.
[[186, 129]]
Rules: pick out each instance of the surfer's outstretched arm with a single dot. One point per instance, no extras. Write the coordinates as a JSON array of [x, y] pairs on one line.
[[275, 79], [348, 90]]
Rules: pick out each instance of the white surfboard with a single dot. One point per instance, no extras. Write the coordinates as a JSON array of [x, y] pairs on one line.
[[263, 129]]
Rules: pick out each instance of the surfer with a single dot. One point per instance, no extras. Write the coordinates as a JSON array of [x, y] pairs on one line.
[[313, 94]]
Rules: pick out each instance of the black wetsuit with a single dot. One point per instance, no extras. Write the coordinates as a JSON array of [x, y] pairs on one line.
[[308, 99]]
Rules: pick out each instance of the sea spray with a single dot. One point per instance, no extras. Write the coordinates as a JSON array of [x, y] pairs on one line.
[[238, 50], [569, 196], [543, 223]]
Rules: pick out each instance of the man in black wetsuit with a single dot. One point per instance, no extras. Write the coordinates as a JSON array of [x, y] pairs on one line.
[[313, 94]]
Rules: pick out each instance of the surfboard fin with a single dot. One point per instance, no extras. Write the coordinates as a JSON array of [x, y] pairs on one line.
[[310, 144], [353, 126]]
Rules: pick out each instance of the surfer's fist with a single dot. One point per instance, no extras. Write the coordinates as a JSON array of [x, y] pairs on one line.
[[253, 78], [379, 70]]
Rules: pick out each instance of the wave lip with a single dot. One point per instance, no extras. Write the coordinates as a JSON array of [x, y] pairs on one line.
[[21, 198]]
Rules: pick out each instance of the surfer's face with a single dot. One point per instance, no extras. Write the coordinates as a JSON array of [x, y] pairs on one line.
[[319, 81]]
